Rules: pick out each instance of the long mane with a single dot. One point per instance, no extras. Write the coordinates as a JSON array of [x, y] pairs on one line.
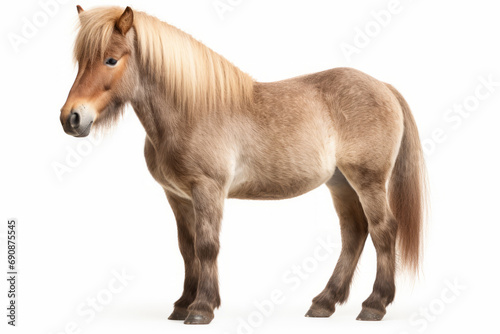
[[195, 78]]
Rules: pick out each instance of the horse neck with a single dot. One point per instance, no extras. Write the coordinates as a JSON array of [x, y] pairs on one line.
[[157, 114]]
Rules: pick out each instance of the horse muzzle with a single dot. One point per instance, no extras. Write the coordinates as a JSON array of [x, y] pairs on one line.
[[78, 123]]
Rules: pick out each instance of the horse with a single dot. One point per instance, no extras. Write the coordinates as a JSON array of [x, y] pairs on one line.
[[213, 132]]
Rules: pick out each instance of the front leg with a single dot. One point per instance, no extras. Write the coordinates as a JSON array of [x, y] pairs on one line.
[[184, 216], [208, 202]]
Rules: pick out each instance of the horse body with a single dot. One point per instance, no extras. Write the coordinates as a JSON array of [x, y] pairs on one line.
[[291, 147], [214, 133], [259, 153]]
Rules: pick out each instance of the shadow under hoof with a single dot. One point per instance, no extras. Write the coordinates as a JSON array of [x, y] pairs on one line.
[[369, 314], [179, 314], [319, 312], [198, 319]]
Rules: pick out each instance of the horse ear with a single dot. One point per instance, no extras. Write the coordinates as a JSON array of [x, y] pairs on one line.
[[125, 21], [79, 9]]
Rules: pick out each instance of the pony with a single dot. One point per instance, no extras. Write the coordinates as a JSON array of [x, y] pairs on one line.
[[212, 132]]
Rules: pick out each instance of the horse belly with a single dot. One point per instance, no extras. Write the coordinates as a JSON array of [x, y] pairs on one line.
[[288, 176]]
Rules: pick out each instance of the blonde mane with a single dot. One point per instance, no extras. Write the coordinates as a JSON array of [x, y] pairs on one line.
[[196, 78]]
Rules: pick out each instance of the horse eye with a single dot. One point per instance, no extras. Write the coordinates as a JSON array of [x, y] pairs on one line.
[[111, 61]]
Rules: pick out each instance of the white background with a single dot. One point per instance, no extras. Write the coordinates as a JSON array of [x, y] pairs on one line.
[[108, 214]]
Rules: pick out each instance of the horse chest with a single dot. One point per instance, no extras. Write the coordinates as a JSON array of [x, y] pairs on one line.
[[164, 172]]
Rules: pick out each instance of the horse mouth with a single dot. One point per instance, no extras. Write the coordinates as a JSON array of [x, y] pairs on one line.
[[85, 132]]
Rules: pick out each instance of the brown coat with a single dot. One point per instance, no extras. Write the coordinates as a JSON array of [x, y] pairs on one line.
[[213, 133]]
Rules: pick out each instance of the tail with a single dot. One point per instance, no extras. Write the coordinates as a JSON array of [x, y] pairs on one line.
[[408, 191]]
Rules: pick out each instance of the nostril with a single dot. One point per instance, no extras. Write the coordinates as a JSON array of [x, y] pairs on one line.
[[74, 120]]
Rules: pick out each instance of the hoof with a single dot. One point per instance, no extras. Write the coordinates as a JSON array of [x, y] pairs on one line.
[[319, 312], [370, 314], [198, 319], [179, 314]]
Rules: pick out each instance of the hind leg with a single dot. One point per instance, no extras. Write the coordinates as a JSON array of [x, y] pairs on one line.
[[354, 230], [370, 187]]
